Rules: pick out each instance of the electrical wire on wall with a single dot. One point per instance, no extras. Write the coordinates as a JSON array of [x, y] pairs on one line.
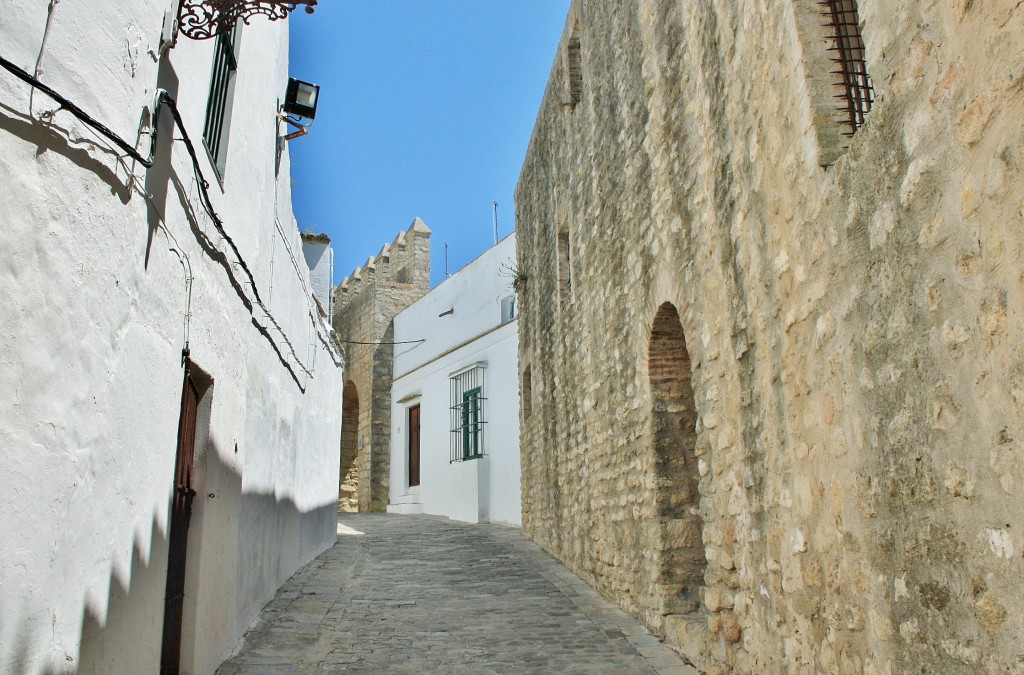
[[273, 250], [65, 104], [204, 191], [310, 302], [186, 264], [42, 50], [164, 99], [403, 342]]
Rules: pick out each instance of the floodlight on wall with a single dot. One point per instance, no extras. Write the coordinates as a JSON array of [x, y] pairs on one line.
[[203, 19], [300, 100]]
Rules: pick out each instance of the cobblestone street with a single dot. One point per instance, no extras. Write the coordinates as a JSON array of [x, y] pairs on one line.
[[423, 594]]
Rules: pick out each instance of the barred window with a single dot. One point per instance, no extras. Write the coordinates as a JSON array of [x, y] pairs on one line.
[[574, 68], [222, 89], [564, 263], [526, 393], [851, 73], [467, 414]]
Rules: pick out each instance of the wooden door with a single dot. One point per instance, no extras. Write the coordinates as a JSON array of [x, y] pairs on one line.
[[414, 446], [181, 513]]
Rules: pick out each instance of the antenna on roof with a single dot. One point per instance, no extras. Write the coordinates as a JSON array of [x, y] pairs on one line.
[[446, 275], [495, 222]]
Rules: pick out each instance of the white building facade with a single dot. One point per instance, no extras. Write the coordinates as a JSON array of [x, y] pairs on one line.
[[118, 280], [455, 397], [319, 255]]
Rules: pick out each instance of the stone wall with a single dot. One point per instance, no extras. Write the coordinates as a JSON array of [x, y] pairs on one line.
[[365, 305], [845, 309]]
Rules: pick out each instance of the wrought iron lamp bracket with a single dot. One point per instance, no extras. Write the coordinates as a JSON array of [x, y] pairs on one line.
[[204, 19], [301, 129]]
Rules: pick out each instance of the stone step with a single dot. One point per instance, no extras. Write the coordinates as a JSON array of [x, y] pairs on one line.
[[405, 508]]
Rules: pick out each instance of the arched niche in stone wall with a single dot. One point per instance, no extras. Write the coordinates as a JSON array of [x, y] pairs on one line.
[[673, 436]]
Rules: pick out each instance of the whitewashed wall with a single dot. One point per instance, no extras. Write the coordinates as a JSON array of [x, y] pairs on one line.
[[481, 490], [91, 334], [319, 257]]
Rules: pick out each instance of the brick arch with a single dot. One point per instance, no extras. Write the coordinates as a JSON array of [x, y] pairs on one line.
[[674, 436], [348, 480]]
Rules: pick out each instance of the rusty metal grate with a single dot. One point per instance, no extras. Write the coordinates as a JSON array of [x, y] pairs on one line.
[[575, 70], [852, 74]]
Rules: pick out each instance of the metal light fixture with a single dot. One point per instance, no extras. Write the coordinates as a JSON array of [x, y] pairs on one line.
[[203, 19], [300, 100]]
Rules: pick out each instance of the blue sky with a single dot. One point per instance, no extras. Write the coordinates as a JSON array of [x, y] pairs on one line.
[[426, 109]]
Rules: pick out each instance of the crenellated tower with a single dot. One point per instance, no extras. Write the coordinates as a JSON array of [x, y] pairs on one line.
[[365, 305]]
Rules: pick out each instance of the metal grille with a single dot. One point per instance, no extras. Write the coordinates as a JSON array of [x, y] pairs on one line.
[[564, 263], [575, 70], [202, 19], [852, 73], [218, 108], [467, 415]]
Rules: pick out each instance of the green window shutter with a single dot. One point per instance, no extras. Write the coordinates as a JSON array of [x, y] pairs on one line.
[[467, 415], [471, 423]]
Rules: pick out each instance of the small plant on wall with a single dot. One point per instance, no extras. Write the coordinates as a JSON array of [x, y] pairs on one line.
[[510, 270]]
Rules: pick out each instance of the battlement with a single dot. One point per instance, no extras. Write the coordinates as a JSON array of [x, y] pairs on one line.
[[405, 261]]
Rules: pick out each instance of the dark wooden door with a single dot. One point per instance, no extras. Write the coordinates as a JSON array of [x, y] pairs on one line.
[[414, 446], [181, 513]]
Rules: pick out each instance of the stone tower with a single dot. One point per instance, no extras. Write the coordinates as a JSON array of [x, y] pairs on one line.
[[365, 305]]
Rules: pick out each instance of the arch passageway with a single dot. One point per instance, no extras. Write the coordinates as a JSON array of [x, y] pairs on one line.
[[348, 481]]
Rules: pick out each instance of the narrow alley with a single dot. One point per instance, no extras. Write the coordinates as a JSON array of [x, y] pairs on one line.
[[423, 594]]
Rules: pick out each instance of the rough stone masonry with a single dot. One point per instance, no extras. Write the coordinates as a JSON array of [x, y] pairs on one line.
[[772, 372], [365, 305]]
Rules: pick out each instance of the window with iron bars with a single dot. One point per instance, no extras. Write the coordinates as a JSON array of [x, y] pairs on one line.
[[222, 89], [467, 414], [852, 73], [574, 68]]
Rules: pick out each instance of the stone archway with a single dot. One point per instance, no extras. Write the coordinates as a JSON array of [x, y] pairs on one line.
[[348, 481], [674, 436]]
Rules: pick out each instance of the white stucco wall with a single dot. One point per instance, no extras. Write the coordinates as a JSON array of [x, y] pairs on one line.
[[320, 260], [485, 489], [91, 334]]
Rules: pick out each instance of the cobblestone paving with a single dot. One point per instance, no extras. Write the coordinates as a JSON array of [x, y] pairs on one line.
[[423, 594]]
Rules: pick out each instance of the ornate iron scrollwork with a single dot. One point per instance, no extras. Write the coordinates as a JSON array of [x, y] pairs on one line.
[[203, 19]]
